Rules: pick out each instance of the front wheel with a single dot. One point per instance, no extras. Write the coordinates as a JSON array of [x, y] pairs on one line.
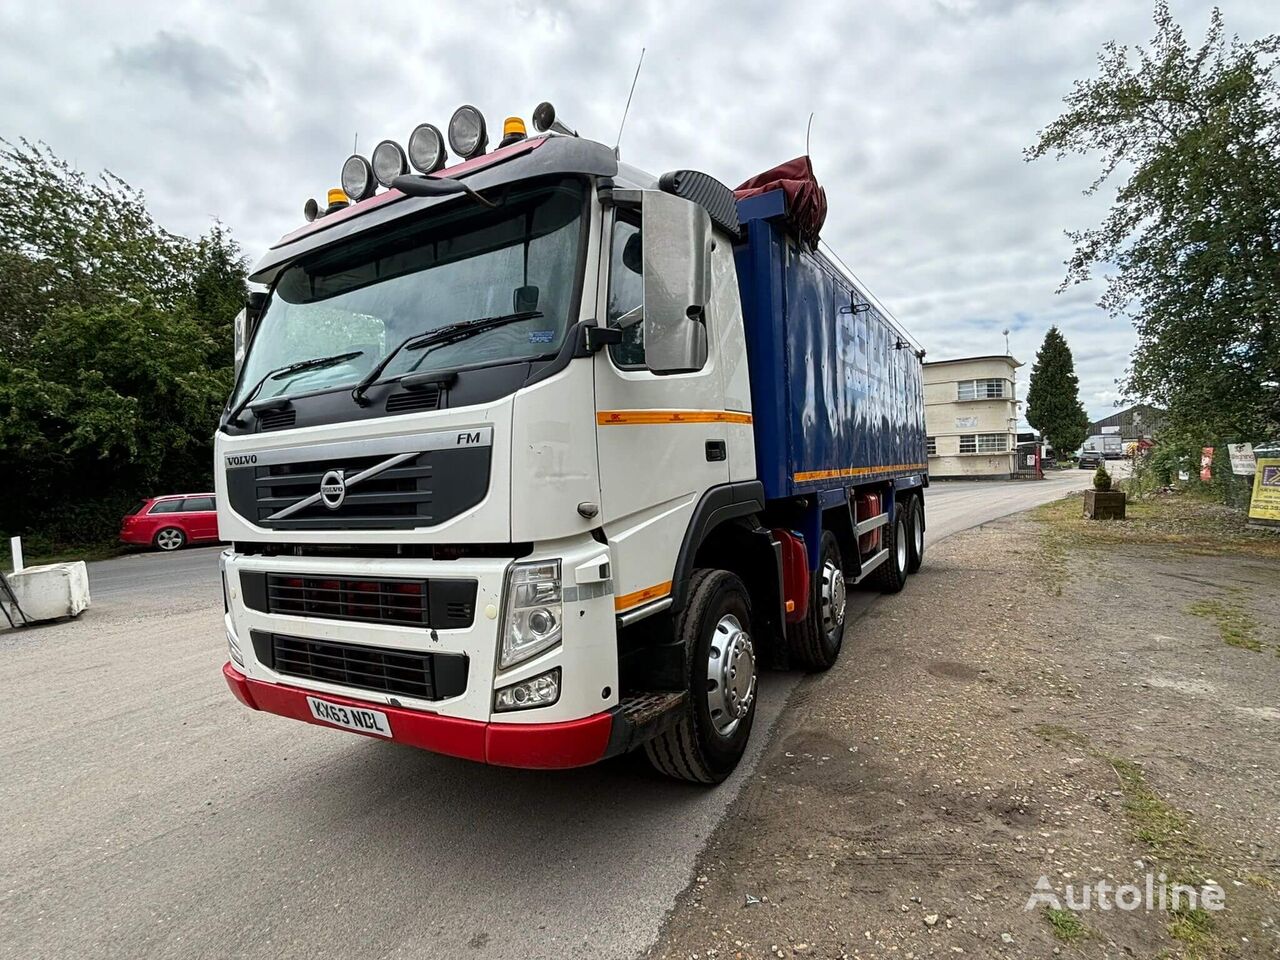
[[170, 538], [710, 737]]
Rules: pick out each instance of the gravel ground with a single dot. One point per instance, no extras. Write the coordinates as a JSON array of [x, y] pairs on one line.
[[1028, 706]]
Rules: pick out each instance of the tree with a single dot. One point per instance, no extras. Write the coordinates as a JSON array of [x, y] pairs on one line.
[[115, 349], [1193, 237], [1053, 398]]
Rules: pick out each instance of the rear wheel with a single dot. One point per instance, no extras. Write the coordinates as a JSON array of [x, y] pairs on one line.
[[915, 523], [711, 735], [170, 538], [891, 575], [815, 641]]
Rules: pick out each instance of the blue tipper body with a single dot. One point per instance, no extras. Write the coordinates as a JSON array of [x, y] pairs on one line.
[[835, 401]]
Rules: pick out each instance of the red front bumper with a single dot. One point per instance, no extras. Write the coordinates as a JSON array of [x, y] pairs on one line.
[[574, 743]]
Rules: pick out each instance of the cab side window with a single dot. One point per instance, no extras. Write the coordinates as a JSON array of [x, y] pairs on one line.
[[626, 291]]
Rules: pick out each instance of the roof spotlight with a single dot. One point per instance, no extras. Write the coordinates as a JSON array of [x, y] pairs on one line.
[[357, 178], [311, 209], [389, 162], [467, 135], [426, 148]]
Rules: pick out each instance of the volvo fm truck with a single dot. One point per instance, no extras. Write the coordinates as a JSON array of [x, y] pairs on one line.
[[538, 458]]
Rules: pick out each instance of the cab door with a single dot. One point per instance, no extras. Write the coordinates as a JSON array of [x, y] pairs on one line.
[[662, 438]]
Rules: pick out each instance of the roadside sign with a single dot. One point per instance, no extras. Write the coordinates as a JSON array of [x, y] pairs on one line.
[[1242, 461], [1265, 505], [1109, 430], [1206, 464]]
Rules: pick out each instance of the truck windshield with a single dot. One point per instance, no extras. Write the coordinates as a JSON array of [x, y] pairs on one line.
[[449, 267]]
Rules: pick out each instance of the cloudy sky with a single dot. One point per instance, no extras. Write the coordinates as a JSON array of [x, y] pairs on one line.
[[239, 112]]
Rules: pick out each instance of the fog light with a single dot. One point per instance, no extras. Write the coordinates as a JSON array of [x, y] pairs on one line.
[[540, 691]]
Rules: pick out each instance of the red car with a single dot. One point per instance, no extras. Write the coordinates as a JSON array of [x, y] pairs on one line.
[[171, 522]]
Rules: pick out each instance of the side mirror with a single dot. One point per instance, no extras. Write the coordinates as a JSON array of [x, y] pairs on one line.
[[245, 323], [677, 282], [241, 341]]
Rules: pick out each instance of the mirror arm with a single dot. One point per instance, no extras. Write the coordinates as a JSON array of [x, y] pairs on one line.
[[596, 338]]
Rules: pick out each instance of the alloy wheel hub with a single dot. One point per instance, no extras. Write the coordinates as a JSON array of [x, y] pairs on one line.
[[731, 675], [833, 597]]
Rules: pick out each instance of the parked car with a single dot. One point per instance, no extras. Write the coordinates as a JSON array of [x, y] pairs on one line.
[[1090, 459], [171, 522]]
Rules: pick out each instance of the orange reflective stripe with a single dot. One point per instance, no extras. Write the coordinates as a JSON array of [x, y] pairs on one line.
[[853, 472], [641, 596], [608, 417]]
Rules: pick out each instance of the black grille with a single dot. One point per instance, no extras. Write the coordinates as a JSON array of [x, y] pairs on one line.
[[425, 399], [277, 419], [443, 604], [421, 491], [424, 676]]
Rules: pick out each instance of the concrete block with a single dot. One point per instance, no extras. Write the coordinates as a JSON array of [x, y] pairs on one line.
[[51, 591]]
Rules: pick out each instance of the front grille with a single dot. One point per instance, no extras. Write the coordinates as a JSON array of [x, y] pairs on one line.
[[443, 604], [409, 673], [421, 491]]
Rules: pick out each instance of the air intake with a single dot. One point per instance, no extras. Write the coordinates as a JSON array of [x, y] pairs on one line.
[[425, 399], [277, 419]]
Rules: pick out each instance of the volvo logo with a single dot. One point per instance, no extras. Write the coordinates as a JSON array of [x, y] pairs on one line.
[[333, 489]]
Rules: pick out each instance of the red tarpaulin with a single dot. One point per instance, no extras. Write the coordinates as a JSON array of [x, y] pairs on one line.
[[806, 200]]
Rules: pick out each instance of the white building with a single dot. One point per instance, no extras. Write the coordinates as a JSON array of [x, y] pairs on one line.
[[971, 417]]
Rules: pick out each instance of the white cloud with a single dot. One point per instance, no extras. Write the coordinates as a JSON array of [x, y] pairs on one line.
[[922, 112]]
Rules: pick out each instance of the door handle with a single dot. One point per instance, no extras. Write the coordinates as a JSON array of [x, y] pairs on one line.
[[716, 451]]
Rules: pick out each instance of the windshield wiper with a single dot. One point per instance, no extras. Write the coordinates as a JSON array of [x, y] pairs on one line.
[[313, 364], [450, 333]]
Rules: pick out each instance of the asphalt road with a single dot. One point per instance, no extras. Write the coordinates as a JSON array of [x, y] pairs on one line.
[[147, 814]]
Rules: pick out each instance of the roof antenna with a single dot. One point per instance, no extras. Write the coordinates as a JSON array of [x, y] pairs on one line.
[[807, 130], [617, 152], [355, 144]]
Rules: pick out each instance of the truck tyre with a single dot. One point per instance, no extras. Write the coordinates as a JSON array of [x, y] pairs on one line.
[[815, 641], [915, 524], [710, 737], [891, 575]]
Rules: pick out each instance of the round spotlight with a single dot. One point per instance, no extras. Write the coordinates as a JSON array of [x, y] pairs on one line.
[[467, 134], [389, 162], [426, 148], [311, 209], [357, 178]]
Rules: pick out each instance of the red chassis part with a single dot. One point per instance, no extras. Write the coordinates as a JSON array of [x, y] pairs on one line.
[[573, 743]]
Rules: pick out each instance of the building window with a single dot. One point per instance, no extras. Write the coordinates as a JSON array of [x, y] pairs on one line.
[[968, 443], [931, 446], [981, 390], [993, 443]]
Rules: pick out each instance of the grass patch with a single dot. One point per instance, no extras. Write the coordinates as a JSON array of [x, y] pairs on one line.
[[1066, 925], [1236, 627], [89, 552], [1182, 519]]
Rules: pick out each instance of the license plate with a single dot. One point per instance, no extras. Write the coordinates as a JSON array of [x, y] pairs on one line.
[[352, 718]]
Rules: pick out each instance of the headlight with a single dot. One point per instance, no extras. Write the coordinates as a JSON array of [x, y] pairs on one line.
[[467, 135], [357, 178], [426, 148], [533, 612], [389, 162], [540, 691]]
